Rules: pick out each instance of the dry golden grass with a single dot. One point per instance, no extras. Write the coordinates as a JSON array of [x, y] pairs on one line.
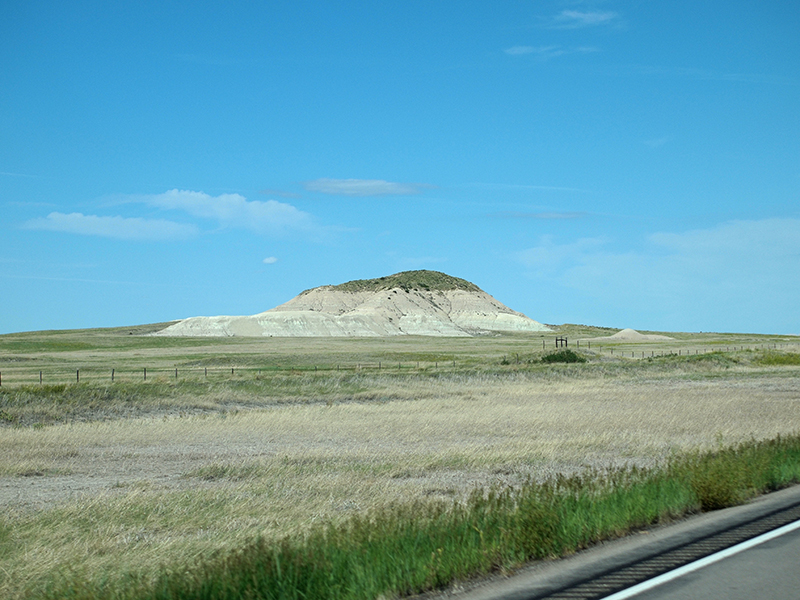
[[135, 494]]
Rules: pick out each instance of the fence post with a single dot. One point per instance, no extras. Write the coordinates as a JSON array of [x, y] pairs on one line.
[[145, 373], [206, 373], [176, 374], [78, 376], [40, 378], [112, 375]]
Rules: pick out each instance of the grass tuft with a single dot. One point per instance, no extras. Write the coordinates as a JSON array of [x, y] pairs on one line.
[[778, 359], [563, 356], [730, 476]]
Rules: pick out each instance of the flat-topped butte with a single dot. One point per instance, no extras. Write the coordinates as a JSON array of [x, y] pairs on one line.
[[408, 303]]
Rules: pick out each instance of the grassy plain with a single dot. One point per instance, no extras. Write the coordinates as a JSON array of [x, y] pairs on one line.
[[135, 477]]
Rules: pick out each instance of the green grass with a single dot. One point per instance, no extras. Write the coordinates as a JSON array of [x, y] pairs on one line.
[[563, 356], [428, 281], [59, 354], [712, 360], [294, 377], [406, 549], [488, 532], [775, 359], [50, 404]]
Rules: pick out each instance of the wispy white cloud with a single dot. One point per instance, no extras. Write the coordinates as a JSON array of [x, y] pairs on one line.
[[550, 257], [574, 19], [7, 174], [363, 187], [234, 210], [199, 59], [521, 50], [547, 52], [523, 187], [704, 74], [658, 142], [752, 242], [122, 228], [30, 204], [228, 210], [270, 260], [538, 215], [73, 279]]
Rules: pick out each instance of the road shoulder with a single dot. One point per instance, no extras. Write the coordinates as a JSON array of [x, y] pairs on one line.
[[542, 577]]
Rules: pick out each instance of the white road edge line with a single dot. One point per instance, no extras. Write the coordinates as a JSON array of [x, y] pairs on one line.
[[703, 562]]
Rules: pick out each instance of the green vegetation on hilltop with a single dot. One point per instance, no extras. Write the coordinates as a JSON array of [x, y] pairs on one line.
[[426, 281]]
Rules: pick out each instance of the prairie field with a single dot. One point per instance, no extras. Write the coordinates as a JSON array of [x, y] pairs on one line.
[[139, 476]]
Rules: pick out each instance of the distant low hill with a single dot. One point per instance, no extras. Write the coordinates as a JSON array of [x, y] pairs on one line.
[[408, 303]]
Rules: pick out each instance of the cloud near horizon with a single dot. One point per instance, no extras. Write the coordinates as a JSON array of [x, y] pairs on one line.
[[122, 228], [363, 187], [747, 266]]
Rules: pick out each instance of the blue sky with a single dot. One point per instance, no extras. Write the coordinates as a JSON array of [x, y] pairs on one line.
[[614, 163]]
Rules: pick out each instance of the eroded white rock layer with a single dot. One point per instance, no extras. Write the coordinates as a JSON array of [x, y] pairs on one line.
[[325, 311]]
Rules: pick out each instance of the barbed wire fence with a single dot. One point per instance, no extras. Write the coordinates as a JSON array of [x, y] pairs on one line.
[[12, 375]]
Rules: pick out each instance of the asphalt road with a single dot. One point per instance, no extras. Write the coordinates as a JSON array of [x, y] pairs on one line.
[[767, 571]]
